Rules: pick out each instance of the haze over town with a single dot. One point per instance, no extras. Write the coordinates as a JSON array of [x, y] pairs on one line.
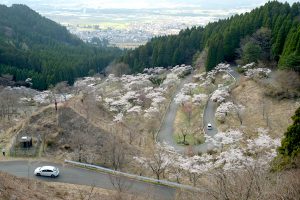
[[130, 23]]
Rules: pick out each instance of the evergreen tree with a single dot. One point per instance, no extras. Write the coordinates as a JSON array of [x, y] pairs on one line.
[[274, 26], [251, 52], [290, 144], [35, 47]]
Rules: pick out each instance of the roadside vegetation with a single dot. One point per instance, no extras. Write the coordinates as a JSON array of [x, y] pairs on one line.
[[113, 119], [38, 190]]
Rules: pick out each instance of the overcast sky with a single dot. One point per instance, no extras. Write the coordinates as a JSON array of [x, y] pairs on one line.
[[201, 4]]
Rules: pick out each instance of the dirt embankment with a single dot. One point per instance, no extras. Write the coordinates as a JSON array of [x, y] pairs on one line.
[[260, 110], [12, 187]]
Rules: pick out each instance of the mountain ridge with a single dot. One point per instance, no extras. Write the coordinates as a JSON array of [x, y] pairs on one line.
[[32, 46], [221, 39]]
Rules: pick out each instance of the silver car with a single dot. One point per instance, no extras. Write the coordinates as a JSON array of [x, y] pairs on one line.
[[209, 127], [46, 171]]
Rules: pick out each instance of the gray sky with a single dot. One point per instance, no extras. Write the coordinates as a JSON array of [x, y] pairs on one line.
[[201, 4]]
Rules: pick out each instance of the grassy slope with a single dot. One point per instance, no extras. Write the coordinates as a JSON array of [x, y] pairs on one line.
[[37, 190], [277, 115]]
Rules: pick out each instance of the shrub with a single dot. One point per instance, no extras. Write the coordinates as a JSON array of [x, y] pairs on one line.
[[290, 146]]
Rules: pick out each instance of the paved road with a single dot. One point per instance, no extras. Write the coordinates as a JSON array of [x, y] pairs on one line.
[[166, 132], [75, 175], [209, 117], [167, 129]]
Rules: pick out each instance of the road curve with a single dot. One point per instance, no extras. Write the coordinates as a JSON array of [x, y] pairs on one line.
[[209, 117], [165, 134], [167, 129], [80, 176]]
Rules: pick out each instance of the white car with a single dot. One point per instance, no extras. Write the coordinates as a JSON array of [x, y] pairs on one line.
[[209, 127], [46, 171]]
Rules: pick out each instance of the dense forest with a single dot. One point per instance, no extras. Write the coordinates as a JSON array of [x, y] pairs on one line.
[[32, 46], [270, 33]]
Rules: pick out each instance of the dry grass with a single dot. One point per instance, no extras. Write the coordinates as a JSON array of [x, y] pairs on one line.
[[260, 111], [251, 184], [197, 136], [12, 187]]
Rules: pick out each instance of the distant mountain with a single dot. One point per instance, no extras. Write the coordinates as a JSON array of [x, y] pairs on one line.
[[270, 33], [36, 47]]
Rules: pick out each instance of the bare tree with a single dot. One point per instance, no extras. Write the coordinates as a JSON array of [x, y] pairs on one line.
[[118, 69], [62, 88], [177, 172], [159, 161], [115, 153], [118, 158], [9, 104], [184, 132], [187, 109], [265, 111], [252, 182], [186, 125], [194, 176], [45, 136], [133, 126], [86, 194], [239, 112], [121, 186], [83, 144], [151, 127]]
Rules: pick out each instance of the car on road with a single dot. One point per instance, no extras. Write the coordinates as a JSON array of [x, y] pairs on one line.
[[47, 171], [209, 127]]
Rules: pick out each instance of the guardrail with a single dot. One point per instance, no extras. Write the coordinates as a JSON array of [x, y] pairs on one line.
[[136, 177]]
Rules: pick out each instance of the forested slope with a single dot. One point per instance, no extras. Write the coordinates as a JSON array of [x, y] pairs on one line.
[[36, 47], [223, 38]]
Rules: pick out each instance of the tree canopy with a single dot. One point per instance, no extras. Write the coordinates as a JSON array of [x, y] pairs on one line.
[[36, 47], [278, 20], [290, 144]]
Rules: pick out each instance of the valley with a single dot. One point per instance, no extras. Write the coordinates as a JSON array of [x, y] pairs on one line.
[[207, 112], [116, 122]]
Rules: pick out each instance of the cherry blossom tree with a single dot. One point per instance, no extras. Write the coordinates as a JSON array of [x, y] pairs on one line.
[[258, 73], [159, 160], [220, 95], [182, 98], [223, 109], [195, 166], [199, 98]]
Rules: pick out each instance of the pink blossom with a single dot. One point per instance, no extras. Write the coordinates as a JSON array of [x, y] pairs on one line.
[[220, 95]]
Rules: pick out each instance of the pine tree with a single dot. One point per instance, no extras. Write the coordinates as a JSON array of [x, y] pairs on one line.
[[290, 144]]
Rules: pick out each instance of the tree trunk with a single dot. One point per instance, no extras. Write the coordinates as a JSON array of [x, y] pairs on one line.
[[184, 136], [157, 176]]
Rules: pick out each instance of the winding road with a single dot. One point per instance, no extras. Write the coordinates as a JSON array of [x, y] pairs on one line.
[[81, 176], [76, 175], [166, 130], [165, 135]]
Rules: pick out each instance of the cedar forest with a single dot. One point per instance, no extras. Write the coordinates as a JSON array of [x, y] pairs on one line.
[[268, 33], [36, 47]]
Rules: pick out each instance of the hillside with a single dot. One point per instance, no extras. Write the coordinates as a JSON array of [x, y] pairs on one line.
[[269, 34], [36, 47], [114, 122], [223, 132], [38, 190]]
